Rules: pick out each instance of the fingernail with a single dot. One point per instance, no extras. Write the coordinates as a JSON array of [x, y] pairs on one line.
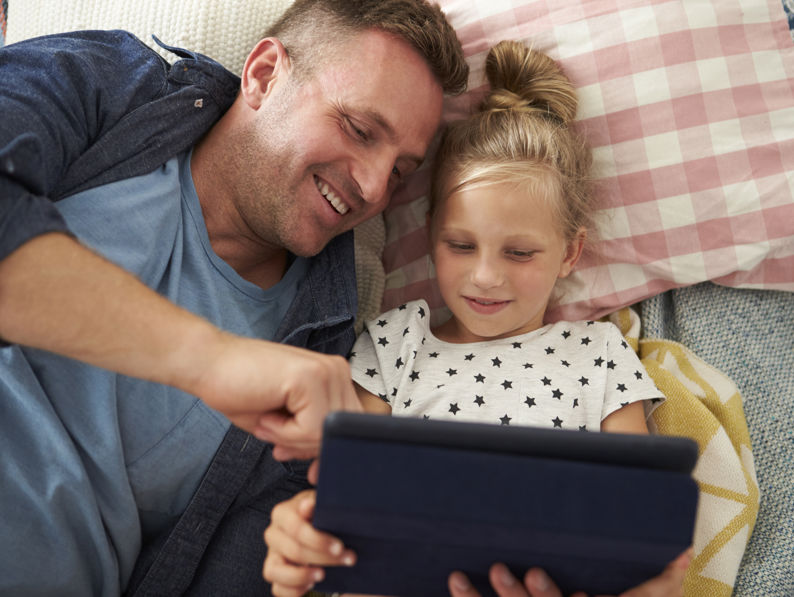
[[318, 575], [508, 579], [336, 548], [542, 581], [348, 559], [461, 582]]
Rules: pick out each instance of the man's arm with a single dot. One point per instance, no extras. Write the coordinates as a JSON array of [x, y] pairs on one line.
[[57, 295]]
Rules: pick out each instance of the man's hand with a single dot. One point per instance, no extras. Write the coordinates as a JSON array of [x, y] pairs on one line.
[[279, 393]]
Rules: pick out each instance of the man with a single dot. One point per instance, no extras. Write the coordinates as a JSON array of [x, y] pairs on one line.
[[192, 209]]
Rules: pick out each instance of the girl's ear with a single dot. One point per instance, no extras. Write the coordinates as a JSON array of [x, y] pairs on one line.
[[572, 253], [267, 63]]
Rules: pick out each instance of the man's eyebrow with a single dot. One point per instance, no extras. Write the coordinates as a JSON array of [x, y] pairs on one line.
[[383, 124]]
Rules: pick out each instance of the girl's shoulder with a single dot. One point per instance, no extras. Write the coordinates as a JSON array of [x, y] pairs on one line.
[[411, 314]]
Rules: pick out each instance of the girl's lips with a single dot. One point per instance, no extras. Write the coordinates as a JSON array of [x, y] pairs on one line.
[[485, 306]]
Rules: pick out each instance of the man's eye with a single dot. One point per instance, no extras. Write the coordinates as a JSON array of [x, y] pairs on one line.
[[357, 131]]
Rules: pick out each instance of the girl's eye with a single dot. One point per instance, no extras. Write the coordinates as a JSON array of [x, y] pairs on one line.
[[460, 247], [396, 172], [520, 255]]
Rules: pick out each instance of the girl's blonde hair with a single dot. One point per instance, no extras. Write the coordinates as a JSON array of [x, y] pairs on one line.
[[521, 134]]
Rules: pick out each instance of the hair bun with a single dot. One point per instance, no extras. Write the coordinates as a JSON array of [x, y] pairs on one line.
[[524, 79]]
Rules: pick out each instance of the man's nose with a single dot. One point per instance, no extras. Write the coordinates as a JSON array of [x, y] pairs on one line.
[[373, 175]]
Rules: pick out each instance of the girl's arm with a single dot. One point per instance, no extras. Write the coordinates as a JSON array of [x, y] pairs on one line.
[[371, 403], [628, 419]]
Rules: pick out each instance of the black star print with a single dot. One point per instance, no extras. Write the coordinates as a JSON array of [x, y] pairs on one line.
[[591, 323], [575, 403], [381, 322], [507, 384], [584, 381], [546, 381], [425, 417], [516, 344], [394, 391], [479, 378], [383, 341], [505, 420], [582, 427], [422, 312], [528, 365], [452, 371], [453, 408], [566, 334], [407, 403], [610, 364], [439, 386], [402, 307], [372, 372], [398, 363], [479, 400], [496, 362], [530, 402], [469, 357], [638, 375], [549, 350], [565, 363], [557, 422], [405, 331], [621, 387], [415, 353], [598, 362], [623, 344], [414, 375], [586, 340], [352, 354], [622, 404], [383, 397], [433, 355], [557, 394]]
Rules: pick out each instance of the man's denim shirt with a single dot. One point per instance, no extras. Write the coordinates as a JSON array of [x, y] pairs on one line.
[[84, 109]]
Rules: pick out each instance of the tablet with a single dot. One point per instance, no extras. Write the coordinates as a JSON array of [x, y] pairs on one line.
[[417, 499]]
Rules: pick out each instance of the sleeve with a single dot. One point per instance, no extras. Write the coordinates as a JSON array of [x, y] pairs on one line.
[[59, 95], [627, 381], [365, 366]]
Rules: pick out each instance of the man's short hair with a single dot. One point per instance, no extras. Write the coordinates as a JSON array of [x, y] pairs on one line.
[[309, 30]]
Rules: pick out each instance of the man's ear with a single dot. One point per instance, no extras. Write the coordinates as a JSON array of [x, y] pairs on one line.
[[573, 253], [265, 64]]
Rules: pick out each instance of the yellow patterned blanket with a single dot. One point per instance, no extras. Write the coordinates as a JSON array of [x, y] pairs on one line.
[[702, 403]]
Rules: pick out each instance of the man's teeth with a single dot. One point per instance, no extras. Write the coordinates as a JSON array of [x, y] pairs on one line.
[[335, 202]]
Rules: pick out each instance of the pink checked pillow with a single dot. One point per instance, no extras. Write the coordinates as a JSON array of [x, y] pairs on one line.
[[689, 109]]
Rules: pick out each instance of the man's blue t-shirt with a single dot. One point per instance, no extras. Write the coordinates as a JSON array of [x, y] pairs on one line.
[[130, 453]]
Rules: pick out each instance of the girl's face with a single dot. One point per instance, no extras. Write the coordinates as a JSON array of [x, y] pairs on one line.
[[498, 254]]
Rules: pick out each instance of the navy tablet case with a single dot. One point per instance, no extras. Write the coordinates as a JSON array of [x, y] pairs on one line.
[[417, 499]]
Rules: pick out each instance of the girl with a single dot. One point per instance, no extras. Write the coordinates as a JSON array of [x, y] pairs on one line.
[[509, 211]]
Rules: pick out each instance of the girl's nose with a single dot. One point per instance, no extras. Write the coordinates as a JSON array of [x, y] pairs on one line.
[[486, 274]]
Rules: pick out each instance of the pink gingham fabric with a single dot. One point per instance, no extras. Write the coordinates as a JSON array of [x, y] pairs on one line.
[[689, 108]]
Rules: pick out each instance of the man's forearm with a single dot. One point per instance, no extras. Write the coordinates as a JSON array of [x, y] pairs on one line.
[[57, 295]]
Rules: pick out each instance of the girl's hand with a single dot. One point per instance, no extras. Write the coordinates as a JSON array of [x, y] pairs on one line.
[[670, 583], [297, 551]]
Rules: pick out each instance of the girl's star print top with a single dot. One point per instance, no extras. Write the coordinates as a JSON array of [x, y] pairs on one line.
[[569, 375]]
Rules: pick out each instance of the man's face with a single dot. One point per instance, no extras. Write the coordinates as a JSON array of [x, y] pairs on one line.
[[330, 150]]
